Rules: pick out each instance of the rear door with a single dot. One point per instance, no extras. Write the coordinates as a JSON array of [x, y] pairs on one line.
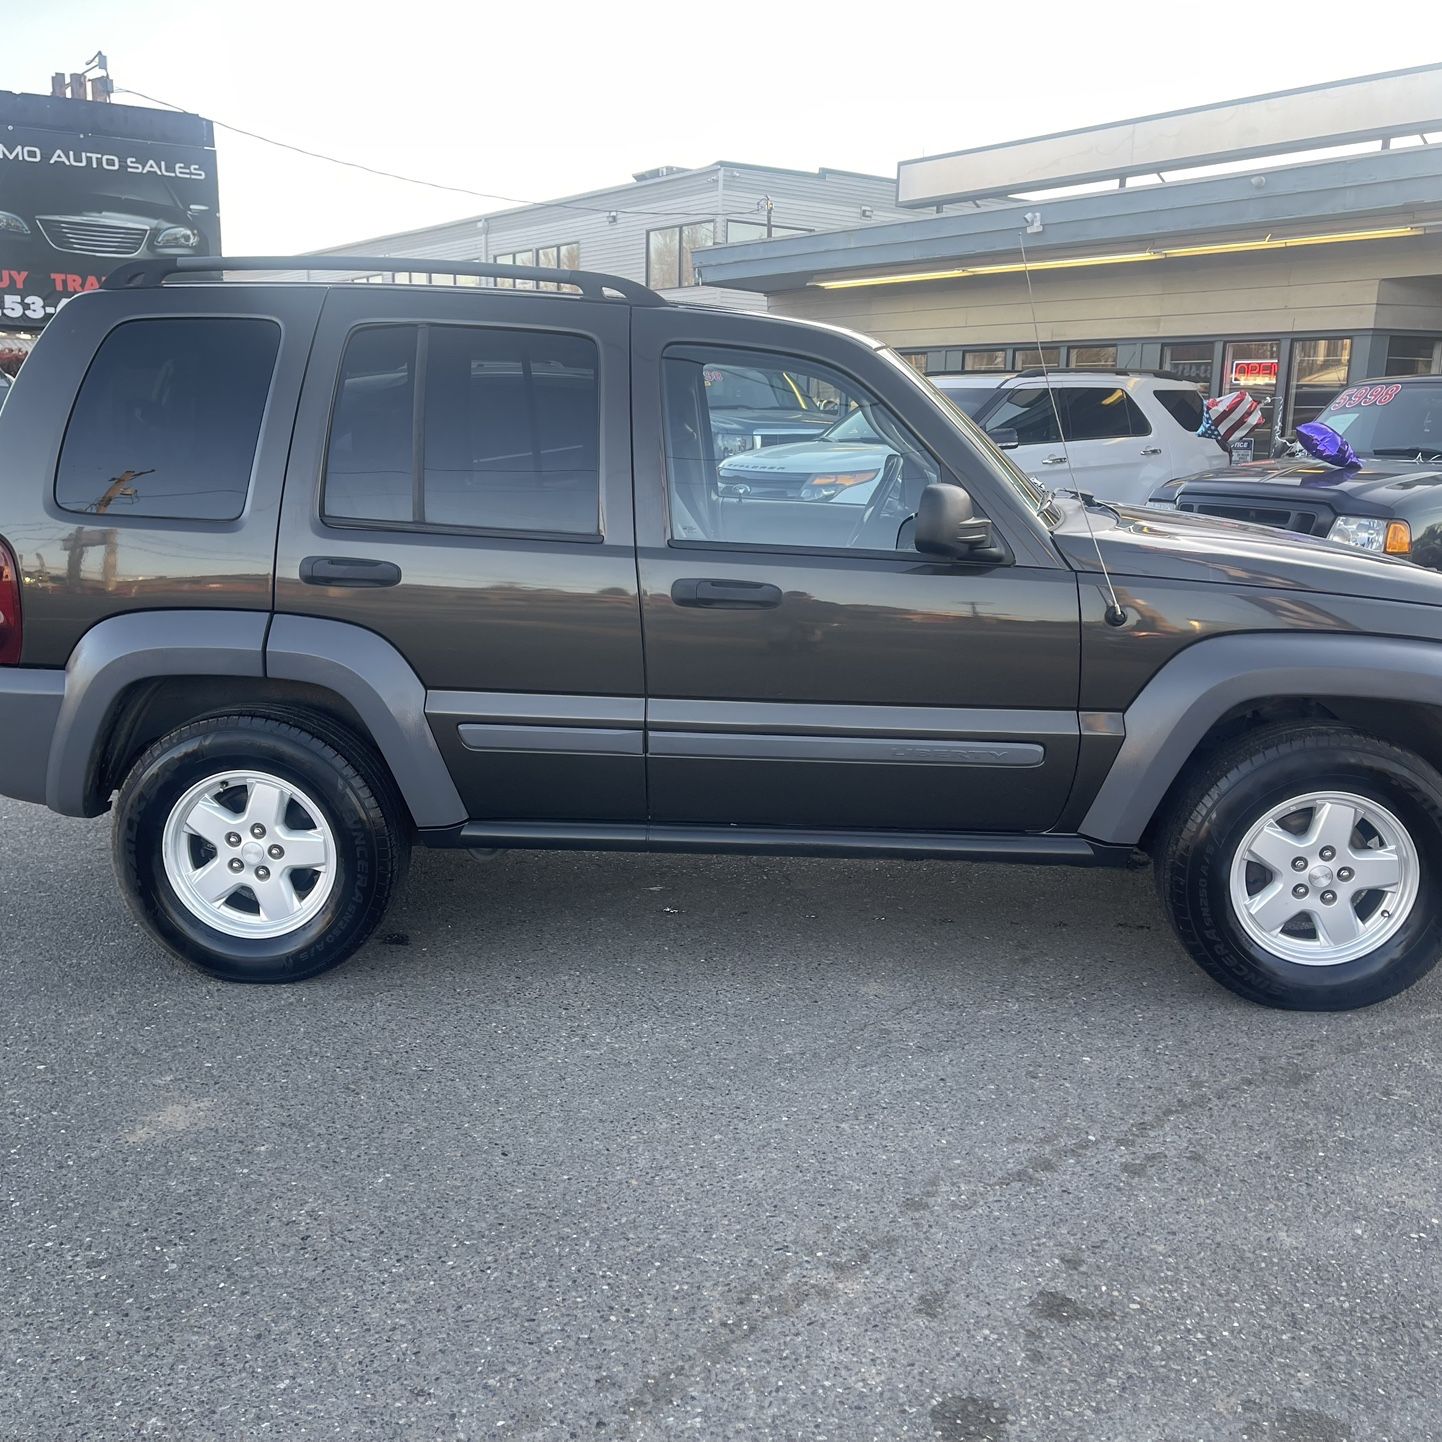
[[460, 484], [806, 666], [1113, 452]]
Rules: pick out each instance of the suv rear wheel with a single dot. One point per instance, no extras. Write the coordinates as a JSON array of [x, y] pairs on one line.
[[256, 850], [1301, 869]]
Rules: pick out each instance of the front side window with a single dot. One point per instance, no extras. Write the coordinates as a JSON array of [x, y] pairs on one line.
[[669, 253], [168, 419], [1030, 411], [846, 478], [506, 436]]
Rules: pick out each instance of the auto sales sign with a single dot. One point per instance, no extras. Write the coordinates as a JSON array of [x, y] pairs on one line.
[[86, 186]]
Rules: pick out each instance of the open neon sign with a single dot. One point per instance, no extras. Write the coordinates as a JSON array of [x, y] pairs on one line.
[[1247, 373]]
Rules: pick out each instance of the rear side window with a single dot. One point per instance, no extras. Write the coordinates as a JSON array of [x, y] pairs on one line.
[[1184, 407], [506, 435], [1102, 413], [168, 418]]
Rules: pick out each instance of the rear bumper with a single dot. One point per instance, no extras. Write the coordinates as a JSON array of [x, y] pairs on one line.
[[30, 703]]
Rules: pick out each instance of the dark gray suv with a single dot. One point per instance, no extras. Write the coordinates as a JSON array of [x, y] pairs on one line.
[[294, 576]]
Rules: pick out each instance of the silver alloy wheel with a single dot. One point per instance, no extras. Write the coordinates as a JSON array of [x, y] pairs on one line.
[[249, 854], [1324, 878]]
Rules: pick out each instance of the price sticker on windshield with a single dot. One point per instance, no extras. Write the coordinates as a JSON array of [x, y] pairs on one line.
[[1365, 396]]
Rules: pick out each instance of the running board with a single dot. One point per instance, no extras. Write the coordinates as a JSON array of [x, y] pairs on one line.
[[779, 841]]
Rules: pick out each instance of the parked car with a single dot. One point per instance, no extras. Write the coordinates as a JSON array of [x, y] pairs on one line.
[[1392, 502], [969, 390], [295, 577], [752, 409], [1122, 434], [845, 461]]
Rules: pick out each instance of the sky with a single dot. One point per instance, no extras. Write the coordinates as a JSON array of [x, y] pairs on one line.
[[528, 103]]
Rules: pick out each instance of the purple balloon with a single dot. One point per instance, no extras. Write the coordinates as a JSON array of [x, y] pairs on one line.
[[1325, 444]]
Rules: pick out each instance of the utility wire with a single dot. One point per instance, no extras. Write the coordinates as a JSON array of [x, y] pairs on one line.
[[415, 180]]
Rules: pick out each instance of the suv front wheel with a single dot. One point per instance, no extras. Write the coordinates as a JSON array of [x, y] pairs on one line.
[[1302, 868], [256, 850]]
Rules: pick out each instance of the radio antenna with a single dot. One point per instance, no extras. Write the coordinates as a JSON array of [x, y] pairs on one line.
[[1115, 614]]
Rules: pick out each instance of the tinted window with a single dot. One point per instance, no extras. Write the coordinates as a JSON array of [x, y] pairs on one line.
[[512, 438], [509, 427], [967, 398], [368, 473], [1184, 407], [1028, 410], [1101, 413], [854, 484], [168, 418]]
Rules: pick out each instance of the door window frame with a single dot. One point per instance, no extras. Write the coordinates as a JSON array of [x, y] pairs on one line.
[[945, 474], [437, 528]]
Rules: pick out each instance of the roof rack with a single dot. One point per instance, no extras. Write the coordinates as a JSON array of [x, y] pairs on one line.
[[1033, 372], [143, 274]]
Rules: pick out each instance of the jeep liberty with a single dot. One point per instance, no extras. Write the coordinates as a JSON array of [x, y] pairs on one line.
[[295, 576]]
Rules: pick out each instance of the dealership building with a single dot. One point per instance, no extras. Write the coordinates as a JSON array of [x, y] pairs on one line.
[[648, 229], [1285, 244]]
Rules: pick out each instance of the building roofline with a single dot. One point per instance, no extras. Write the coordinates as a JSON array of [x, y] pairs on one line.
[[1175, 114], [1392, 182], [629, 187]]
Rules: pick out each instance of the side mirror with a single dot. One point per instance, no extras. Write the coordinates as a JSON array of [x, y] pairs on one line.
[[947, 525], [1004, 438]]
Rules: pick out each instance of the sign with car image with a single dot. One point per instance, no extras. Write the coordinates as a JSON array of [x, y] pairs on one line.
[[74, 204]]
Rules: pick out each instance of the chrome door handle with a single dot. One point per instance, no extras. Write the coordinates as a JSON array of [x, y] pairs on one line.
[[1152, 451], [1053, 460]]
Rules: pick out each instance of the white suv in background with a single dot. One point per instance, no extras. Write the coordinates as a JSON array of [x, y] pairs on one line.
[[1123, 433]]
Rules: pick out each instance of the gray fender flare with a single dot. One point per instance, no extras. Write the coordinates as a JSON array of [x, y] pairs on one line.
[[140, 646], [369, 673], [1177, 707]]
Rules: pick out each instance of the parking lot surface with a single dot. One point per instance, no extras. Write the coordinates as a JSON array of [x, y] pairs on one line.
[[613, 1146]]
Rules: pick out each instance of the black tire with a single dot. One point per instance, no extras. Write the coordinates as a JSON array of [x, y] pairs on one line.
[[371, 844], [1230, 793]]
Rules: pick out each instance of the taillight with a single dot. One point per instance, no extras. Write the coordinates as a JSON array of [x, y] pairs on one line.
[[10, 633]]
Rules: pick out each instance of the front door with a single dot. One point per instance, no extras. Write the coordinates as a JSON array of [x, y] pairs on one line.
[[806, 667], [460, 484]]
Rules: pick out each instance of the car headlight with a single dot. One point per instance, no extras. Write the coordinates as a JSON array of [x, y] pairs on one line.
[[12, 224], [735, 445], [178, 237], [1156, 504], [823, 487], [1372, 533]]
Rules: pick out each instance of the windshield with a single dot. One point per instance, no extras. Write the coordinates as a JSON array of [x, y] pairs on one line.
[[967, 398], [1389, 419], [855, 427], [742, 388]]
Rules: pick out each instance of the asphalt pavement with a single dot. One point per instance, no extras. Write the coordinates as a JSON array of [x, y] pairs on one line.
[[627, 1147]]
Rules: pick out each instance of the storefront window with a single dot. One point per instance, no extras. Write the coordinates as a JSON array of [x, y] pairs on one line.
[[1192, 360], [916, 360], [1029, 356], [1414, 355], [1319, 371], [983, 360], [1101, 357], [1251, 366]]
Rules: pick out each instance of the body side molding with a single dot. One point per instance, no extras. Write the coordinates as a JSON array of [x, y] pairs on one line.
[[1175, 709], [139, 646], [386, 694]]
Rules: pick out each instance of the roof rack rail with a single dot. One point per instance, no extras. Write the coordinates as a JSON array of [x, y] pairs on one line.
[[143, 274], [1032, 372]]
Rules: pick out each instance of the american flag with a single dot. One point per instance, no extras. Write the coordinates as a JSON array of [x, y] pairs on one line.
[[1228, 418]]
